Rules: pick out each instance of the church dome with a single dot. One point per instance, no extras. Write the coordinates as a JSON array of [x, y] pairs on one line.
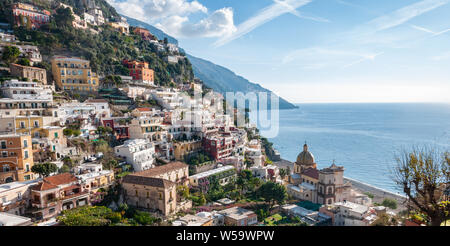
[[305, 158]]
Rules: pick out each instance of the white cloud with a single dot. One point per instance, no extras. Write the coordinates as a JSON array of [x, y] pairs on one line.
[[172, 16], [217, 24], [423, 29], [265, 15], [402, 15], [318, 57], [153, 10]]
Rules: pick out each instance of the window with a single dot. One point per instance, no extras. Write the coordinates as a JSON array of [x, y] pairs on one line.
[[27, 167], [3, 145], [25, 154], [5, 154]]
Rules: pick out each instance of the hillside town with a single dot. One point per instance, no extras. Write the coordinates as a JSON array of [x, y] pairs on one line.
[[74, 141]]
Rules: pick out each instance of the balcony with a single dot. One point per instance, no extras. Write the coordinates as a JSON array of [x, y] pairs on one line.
[[49, 203]]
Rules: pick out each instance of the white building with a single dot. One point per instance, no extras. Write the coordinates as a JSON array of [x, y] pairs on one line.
[[172, 48], [14, 220], [352, 214], [229, 173], [26, 91], [171, 59], [91, 109], [140, 153], [267, 173], [168, 98], [308, 216]]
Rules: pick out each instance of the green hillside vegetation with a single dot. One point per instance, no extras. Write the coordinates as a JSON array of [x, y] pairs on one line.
[[104, 50]]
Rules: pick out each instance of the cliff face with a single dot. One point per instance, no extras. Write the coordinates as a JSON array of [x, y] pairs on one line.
[[224, 80]]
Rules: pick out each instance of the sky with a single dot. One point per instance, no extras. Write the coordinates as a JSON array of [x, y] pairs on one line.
[[316, 50]]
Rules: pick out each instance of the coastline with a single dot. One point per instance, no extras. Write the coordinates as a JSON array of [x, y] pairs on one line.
[[378, 193]]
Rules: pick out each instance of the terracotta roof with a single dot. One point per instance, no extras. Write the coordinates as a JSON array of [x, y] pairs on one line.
[[44, 185], [161, 169], [311, 172], [52, 182], [96, 101], [148, 181], [143, 109], [63, 178]]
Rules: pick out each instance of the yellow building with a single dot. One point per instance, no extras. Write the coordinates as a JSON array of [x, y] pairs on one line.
[[184, 149], [32, 124], [16, 158], [122, 27], [74, 74]]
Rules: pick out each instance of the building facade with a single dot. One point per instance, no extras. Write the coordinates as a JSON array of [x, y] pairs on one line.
[[31, 73], [140, 71], [140, 153], [57, 193], [74, 74], [16, 158], [29, 15]]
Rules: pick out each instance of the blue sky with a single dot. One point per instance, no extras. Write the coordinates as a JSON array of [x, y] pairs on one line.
[[317, 50]]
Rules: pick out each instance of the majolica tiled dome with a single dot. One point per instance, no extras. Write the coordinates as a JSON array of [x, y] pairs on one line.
[[305, 158]]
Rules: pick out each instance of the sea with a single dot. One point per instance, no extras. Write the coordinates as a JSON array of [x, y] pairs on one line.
[[364, 138]]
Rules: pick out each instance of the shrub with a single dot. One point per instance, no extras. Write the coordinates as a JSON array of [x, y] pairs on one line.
[[390, 203]]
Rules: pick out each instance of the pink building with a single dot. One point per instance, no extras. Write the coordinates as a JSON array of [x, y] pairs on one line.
[[25, 12]]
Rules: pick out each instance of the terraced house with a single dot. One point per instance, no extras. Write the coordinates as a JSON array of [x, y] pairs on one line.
[[156, 189], [140, 71], [57, 193], [74, 74], [29, 15], [23, 98], [30, 73], [16, 158]]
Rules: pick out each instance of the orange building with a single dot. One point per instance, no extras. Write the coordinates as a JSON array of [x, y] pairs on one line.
[[140, 71], [145, 34], [16, 158]]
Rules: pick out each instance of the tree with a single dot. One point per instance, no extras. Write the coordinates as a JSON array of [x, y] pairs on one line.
[[86, 216], [202, 200], [112, 164], [390, 203], [283, 173], [183, 191], [64, 169], [64, 17], [68, 132], [44, 169], [272, 193], [144, 218], [10, 54], [76, 133], [422, 174], [24, 62]]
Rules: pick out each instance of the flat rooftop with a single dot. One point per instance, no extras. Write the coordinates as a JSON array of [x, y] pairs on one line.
[[13, 220], [211, 172]]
